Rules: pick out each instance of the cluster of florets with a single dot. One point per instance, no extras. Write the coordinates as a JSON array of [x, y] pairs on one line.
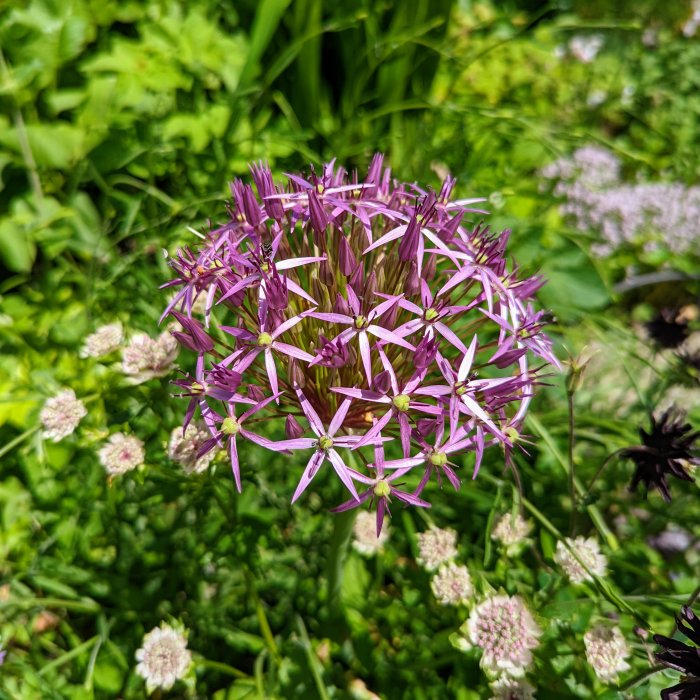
[[646, 215], [359, 312]]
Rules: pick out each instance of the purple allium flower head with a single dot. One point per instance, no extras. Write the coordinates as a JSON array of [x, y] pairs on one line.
[[376, 313]]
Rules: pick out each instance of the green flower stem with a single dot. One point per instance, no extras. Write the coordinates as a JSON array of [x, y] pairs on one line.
[[570, 459], [82, 606], [340, 540], [312, 660], [220, 667], [69, 655], [593, 512], [19, 439], [265, 628]]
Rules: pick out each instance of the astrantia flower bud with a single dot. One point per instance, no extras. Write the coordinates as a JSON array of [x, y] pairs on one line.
[[145, 358], [121, 454], [511, 530], [606, 652], [452, 584], [503, 628], [163, 657], [436, 547], [512, 689], [61, 414], [365, 539], [382, 382], [103, 341], [587, 551], [184, 449]]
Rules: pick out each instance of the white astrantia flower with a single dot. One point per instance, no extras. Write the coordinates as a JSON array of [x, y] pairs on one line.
[[183, 448], [504, 629], [436, 546], [452, 584], [512, 689], [61, 414], [145, 358], [606, 652], [511, 530], [588, 552], [364, 530], [163, 657], [103, 341], [121, 453]]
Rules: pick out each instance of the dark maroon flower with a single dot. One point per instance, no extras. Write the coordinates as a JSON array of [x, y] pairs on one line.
[[665, 451], [682, 657], [668, 329]]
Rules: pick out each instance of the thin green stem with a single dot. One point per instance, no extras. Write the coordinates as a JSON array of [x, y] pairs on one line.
[[221, 668], [593, 512], [19, 439], [69, 655], [572, 468], [312, 660]]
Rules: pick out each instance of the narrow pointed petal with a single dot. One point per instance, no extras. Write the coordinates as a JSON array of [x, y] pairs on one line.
[[293, 351], [339, 417], [365, 355], [389, 337], [445, 332], [311, 415], [342, 471], [309, 473], [233, 454]]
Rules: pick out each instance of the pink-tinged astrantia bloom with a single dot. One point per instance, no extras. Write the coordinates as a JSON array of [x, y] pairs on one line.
[[381, 489], [379, 309], [323, 444]]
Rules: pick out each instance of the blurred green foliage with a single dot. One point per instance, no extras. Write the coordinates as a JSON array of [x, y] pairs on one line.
[[120, 125]]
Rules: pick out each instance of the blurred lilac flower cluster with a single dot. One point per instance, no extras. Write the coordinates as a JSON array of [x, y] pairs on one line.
[[356, 312], [646, 215]]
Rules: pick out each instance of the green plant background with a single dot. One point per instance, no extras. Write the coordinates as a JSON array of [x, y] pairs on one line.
[[121, 124]]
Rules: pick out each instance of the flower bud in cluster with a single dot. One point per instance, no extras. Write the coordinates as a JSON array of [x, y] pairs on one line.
[[452, 584], [512, 689], [374, 311], [145, 358], [61, 414], [511, 531], [504, 629], [163, 657], [365, 540], [580, 559], [121, 454], [436, 547], [183, 448], [103, 341], [606, 652]]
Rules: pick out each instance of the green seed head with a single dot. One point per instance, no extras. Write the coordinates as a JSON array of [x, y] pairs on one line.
[[230, 426], [460, 388], [325, 443], [265, 267], [264, 340], [401, 402], [361, 322], [197, 388], [512, 434], [438, 459], [382, 489], [430, 314]]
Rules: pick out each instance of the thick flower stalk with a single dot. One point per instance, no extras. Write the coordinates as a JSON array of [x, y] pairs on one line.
[[358, 314]]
